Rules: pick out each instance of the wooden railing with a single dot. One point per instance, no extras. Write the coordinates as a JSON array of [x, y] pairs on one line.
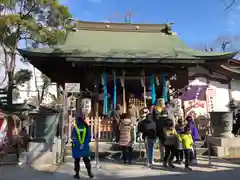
[[105, 130], [204, 127], [101, 127]]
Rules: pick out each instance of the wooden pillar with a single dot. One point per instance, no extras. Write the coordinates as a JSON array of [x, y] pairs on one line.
[[96, 120], [230, 89]]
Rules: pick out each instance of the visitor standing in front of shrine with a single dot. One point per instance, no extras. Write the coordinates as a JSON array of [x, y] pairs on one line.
[[134, 113], [169, 144], [147, 128], [81, 138], [126, 137], [195, 134], [115, 117], [180, 128], [187, 140]]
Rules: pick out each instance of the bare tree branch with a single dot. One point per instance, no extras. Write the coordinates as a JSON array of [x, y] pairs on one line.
[[224, 45], [229, 5]]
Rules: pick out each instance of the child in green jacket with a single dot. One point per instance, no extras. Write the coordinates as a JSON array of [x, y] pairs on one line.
[[186, 138]]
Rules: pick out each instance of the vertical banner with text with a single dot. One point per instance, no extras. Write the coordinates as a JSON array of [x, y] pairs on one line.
[[211, 98]]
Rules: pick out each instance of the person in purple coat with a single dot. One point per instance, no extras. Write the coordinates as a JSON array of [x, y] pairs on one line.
[[194, 131]]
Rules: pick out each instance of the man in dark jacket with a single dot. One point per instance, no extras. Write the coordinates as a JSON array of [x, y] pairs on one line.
[[115, 117], [148, 129], [161, 119]]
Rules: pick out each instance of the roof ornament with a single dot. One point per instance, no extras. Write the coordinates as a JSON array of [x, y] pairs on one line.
[[167, 29]]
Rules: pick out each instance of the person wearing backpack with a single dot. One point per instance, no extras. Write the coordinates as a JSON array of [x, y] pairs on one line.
[[148, 129]]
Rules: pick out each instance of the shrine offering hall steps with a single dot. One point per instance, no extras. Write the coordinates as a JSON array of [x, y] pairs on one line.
[[109, 150]]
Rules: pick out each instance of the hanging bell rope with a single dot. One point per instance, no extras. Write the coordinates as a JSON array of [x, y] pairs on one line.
[[157, 81], [114, 90], [105, 94], [124, 92], [143, 83]]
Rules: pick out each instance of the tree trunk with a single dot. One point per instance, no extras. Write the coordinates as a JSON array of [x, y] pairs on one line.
[[42, 94], [58, 91], [37, 89], [10, 121], [10, 89]]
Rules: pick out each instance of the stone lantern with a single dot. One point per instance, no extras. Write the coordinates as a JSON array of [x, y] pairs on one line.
[[222, 122], [222, 141]]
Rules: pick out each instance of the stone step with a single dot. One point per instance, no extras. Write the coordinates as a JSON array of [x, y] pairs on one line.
[[116, 155], [112, 146], [112, 151], [8, 159]]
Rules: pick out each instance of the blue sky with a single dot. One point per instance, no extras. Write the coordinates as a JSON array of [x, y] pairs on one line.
[[196, 21]]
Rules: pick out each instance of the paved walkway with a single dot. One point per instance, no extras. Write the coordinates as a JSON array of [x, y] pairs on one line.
[[219, 171]]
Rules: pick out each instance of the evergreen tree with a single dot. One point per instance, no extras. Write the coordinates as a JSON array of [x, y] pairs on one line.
[[33, 23]]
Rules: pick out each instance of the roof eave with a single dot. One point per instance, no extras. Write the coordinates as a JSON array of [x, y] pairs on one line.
[[220, 56], [74, 57]]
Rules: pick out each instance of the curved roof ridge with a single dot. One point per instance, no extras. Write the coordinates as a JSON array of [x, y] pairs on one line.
[[135, 27]]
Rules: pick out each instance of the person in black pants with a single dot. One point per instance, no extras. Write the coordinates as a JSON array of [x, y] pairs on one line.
[[148, 129], [169, 156], [188, 158], [187, 140], [179, 156], [127, 154], [169, 144], [81, 138], [87, 163]]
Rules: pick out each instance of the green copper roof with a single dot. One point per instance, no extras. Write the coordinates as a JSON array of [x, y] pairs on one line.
[[123, 45]]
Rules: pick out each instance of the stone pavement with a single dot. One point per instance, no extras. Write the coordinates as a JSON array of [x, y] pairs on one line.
[[220, 170]]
